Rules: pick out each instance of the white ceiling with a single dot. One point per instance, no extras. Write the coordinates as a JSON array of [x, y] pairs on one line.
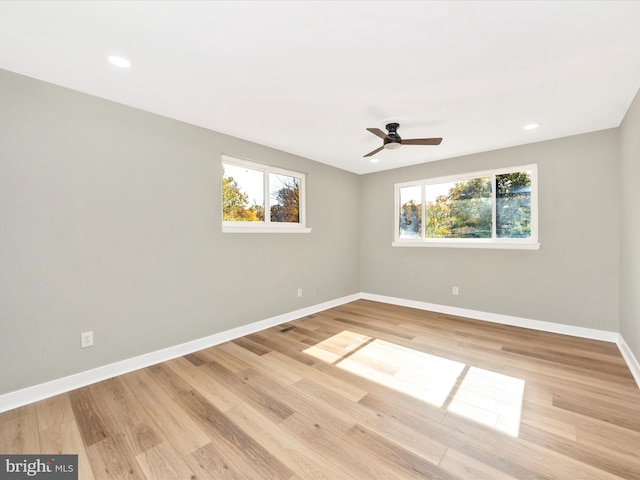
[[309, 77]]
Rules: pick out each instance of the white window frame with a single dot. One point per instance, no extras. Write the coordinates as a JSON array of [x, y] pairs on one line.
[[530, 243], [266, 226]]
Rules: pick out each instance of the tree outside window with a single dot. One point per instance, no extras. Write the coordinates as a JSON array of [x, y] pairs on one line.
[[493, 205], [249, 190]]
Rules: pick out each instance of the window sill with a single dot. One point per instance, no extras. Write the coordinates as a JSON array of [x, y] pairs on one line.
[[260, 229], [463, 244]]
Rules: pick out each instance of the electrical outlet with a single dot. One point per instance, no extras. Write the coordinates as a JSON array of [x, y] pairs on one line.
[[455, 291], [299, 292], [86, 339]]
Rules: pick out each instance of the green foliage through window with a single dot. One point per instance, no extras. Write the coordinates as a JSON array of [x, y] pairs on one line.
[[489, 206], [243, 194], [235, 204], [513, 205]]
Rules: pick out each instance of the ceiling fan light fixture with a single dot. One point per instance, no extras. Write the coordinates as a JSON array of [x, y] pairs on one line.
[[392, 145], [119, 61]]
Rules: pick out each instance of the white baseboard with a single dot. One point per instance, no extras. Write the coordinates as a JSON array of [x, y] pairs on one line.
[[632, 361], [582, 332], [32, 394]]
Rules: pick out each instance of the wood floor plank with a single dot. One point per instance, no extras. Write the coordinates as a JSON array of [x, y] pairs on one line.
[[211, 388], [277, 360], [608, 368], [298, 457], [239, 353], [356, 325], [619, 465], [20, 434], [410, 465], [111, 459], [544, 422], [608, 412], [163, 461], [176, 425], [208, 464], [409, 439], [259, 397], [89, 415], [406, 410], [518, 457], [249, 344], [232, 362], [65, 439], [362, 390], [168, 380], [54, 411], [238, 447], [126, 417], [275, 364], [285, 374], [196, 358], [281, 343], [18, 412], [332, 419], [465, 467], [603, 436], [356, 462], [590, 378]]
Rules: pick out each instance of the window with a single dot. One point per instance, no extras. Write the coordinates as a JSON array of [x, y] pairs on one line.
[[494, 209], [260, 198]]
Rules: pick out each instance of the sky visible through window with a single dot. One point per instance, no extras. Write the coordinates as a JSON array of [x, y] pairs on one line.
[[436, 190], [251, 182]]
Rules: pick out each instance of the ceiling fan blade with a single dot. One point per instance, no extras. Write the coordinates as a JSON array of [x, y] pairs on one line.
[[378, 132], [422, 141], [374, 152]]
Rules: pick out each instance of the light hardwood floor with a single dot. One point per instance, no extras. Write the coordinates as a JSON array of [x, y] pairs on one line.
[[361, 391]]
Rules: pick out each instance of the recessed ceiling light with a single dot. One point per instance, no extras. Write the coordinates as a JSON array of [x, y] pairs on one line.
[[119, 61], [531, 126], [374, 160]]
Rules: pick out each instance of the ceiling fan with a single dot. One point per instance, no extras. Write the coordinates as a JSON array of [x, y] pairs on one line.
[[392, 140]]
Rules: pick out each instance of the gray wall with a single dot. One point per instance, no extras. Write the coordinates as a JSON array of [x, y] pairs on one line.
[[573, 279], [110, 221], [630, 228]]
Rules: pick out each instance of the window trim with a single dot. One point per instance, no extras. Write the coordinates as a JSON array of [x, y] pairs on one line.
[[530, 243], [266, 226]]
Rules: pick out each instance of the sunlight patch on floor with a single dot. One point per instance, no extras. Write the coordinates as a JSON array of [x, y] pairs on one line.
[[426, 377], [336, 347], [486, 397], [490, 398]]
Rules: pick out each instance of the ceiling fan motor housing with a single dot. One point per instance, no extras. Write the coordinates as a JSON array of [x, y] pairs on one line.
[[393, 140]]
